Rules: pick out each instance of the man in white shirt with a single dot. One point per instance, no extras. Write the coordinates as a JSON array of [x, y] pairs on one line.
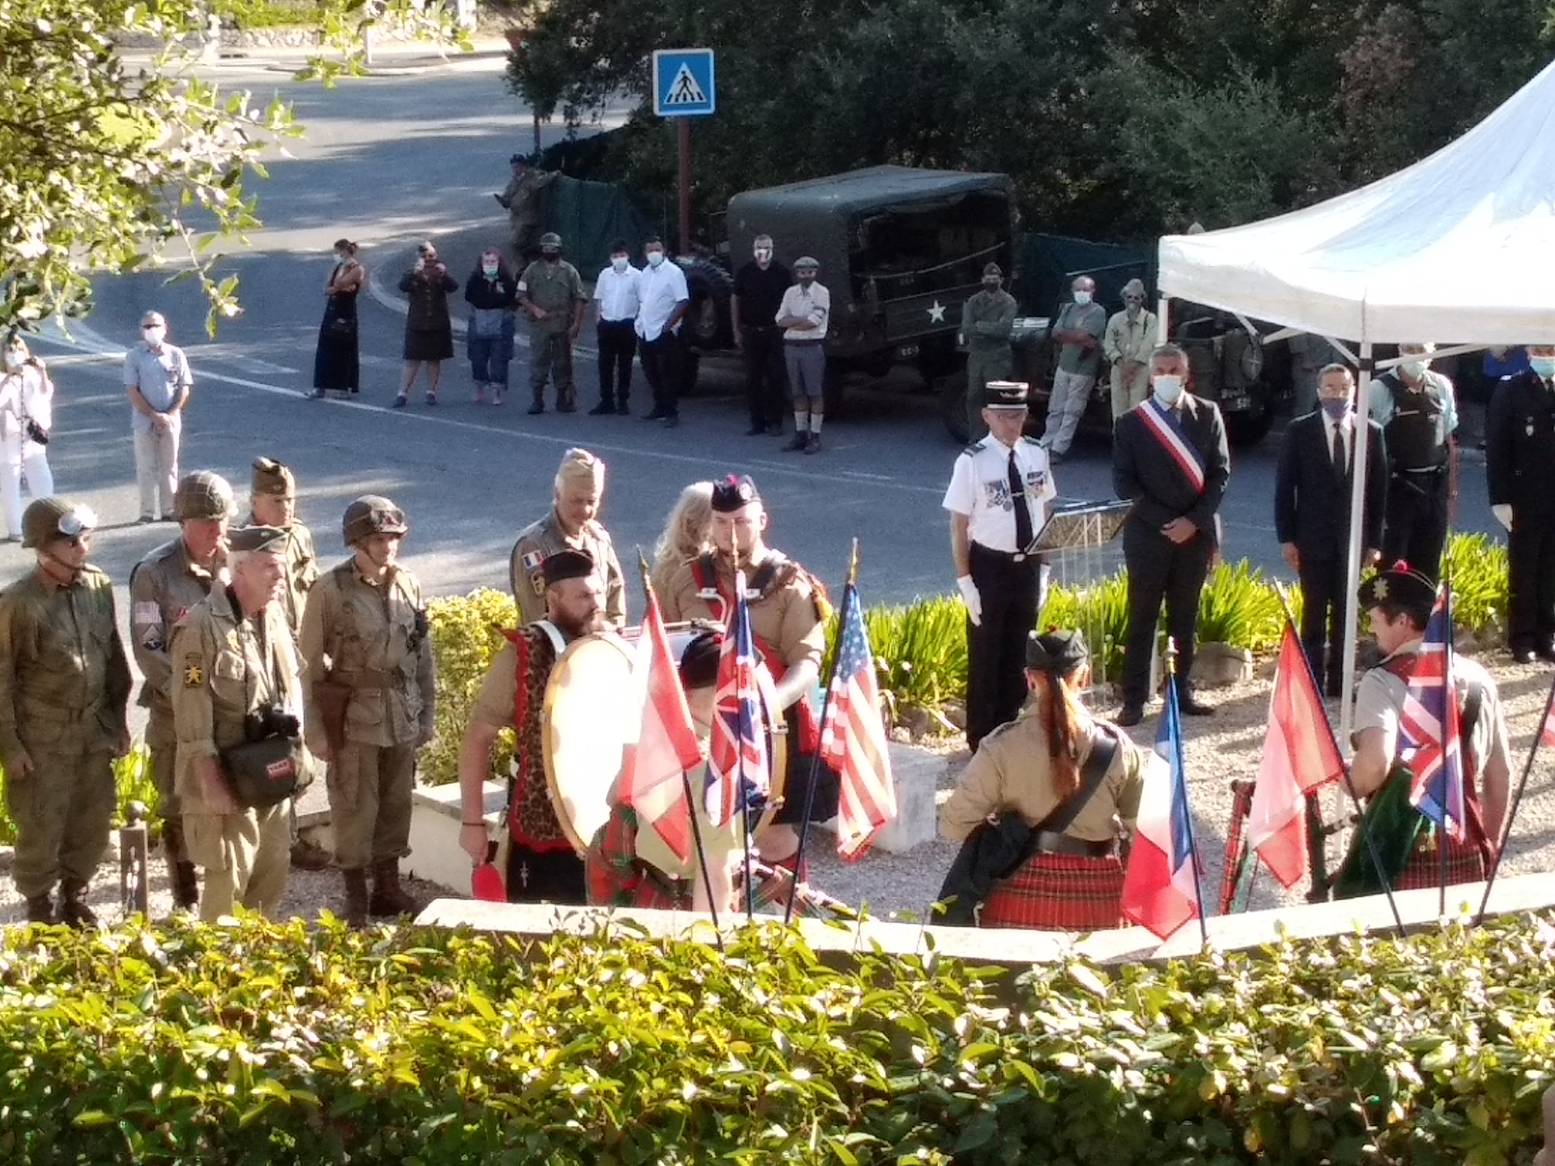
[[157, 381], [663, 302], [803, 316], [616, 301], [998, 499]]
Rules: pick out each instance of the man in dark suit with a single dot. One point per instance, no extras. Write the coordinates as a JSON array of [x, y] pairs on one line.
[[1520, 463], [1312, 514], [1169, 458]]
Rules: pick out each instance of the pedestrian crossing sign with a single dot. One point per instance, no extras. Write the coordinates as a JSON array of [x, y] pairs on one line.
[[683, 83]]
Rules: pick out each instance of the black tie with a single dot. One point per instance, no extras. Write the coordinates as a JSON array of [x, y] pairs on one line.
[[1338, 451], [1022, 513]]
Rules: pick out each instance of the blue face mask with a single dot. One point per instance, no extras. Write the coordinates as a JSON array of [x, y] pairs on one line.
[[1543, 366], [1336, 409]]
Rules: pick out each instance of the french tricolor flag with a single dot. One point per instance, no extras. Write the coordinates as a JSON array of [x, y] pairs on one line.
[[1161, 886]]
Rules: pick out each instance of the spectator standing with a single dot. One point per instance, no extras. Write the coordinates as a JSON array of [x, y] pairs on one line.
[[617, 297], [521, 199], [1419, 417], [1520, 465], [687, 534], [551, 292], [26, 416], [1077, 332], [158, 384], [492, 294], [987, 318], [429, 333], [664, 301], [803, 314], [336, 364], [1127, 344], [759, 286]]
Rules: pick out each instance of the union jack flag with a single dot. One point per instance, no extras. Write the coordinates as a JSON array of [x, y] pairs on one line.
[[1429, 741], [738, 770]]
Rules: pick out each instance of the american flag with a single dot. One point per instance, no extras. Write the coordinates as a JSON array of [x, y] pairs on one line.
[[1547, 730], [853, 739], [737, 767], [1428, 726]]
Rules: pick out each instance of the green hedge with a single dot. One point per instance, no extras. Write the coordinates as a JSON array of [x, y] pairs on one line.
[[269, 1043]]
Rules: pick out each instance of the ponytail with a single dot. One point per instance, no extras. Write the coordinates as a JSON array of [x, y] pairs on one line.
[[1064, 723]]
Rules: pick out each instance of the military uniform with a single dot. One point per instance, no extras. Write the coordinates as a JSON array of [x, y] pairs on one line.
[[987, 318], [229, 665], [64, 684], [558, 289], [522, 200], [543, 538], [1418, 426], [1519, 444]]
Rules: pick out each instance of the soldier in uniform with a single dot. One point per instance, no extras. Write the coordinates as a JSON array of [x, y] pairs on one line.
[[788, 611], [998, 497], [521, 199], [987, 318], [551, 292], [64, 685], [1519, 441], [164, 587], [1419, 418], [273, 502], [542, 865], [571, 525], [371, 697], [236, 665], [1169, 458]]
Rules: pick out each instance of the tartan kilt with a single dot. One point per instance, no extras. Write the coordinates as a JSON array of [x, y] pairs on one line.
[[1465, 864], [1058, 892]]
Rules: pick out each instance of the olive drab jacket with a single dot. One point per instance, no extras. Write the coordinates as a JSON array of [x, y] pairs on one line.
[[64, 678], [164, 587]]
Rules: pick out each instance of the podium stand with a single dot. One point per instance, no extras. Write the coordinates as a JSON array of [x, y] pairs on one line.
[[1078, 548]]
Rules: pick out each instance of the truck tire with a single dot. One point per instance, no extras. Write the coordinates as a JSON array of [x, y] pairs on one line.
[[834, 390], [707, 320], [950, 388], [691, 373], [1249, 428]]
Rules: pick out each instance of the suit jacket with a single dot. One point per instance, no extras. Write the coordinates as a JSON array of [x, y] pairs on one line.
[[1520, 444], [1312, 502], [1146, 475]]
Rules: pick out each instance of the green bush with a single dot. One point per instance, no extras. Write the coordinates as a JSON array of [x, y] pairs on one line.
[[1240, 607], [274, 1043], [132, 778], [466, 633], [1098, 609], [921, 650], [268, 13], [1477, 569]]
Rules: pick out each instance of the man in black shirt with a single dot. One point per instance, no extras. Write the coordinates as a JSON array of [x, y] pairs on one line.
[[758, 291]]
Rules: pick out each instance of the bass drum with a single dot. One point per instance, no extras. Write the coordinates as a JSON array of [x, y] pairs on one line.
[[591, 711]]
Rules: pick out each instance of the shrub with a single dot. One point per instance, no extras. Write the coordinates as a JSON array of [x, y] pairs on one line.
[[1100, 610], [275, 1043], [1477, 569], [466, 633], [921, 650], [1240, 607]]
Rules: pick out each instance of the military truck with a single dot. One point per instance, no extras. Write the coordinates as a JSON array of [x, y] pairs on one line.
[[900, 251]]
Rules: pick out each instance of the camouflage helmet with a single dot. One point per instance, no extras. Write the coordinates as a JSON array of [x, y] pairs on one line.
[[369, 515], [47, 518], [551, 239], [203, 495]]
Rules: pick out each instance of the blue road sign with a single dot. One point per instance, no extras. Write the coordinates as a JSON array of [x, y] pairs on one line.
[[683, 83]]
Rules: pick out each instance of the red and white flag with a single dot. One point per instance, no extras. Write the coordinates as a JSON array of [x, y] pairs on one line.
[[853, 740], [1299, 755], [652, 780]]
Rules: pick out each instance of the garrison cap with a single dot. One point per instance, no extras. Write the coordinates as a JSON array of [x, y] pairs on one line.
[[1400, 584], [993, 269], [1056, 651], [564, 565], [369, 515], [47, 518], [266, 540], [271, 477], [732, 492], [1007, 394], [203, 495], [806, 261]]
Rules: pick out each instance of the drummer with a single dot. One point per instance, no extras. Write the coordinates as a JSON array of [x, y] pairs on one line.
[[631, 867], [788, 611], [542, 864]]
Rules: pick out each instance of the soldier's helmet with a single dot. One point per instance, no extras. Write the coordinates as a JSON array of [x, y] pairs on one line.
[[45, 518], [203, 495], [369, 515], [551, 239]]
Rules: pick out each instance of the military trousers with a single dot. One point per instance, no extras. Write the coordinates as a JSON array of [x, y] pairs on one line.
[[162, 743], [550, 358], [63, 810], [982, 366], [369, 803], [246, 857]]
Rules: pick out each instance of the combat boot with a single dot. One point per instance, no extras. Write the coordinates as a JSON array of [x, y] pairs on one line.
[[356, 897], [40, 908], [389, 898], [73, 910]]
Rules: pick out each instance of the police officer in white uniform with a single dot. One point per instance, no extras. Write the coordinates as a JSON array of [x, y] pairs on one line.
[[998, 499]]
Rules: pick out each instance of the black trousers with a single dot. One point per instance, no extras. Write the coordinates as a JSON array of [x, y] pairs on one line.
[[664, 366], [1323, 597], [766, 382], [996, 648], [1160, 569], [554, 876], [1414, 526], [1531, 579], [617, 346]]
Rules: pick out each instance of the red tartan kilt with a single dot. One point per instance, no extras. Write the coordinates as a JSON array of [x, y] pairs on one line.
[[1465, 864], [1058, 892]]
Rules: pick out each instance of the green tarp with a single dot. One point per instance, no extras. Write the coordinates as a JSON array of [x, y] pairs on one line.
[[588, 216]]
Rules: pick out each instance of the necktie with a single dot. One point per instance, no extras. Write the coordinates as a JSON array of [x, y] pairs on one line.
[[1338, 453], [1022, 512]]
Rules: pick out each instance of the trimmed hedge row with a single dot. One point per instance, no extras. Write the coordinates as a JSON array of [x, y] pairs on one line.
[[274, 1043]]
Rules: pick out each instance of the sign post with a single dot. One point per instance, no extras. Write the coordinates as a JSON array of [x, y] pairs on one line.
[[683, 88]]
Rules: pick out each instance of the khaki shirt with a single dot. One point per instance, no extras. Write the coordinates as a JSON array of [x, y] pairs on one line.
[[986, 320], [545, 537], [786, 615], [164, 587], [364, 635], [556, 287], [227, 667], [1379, 699], [302, 568], [64, 679], [1011, 774], [1129, 340]]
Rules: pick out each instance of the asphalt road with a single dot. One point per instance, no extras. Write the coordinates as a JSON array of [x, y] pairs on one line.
[[389, 160]]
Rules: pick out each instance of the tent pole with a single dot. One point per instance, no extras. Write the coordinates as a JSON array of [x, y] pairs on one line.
[[1357, 520]]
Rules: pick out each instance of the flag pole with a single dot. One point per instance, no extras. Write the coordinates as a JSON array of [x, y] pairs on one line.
[[1182, 776], [742, 795], [1517, 800], [685, 780], [1449, 710], [1344, 771], [815, 759]]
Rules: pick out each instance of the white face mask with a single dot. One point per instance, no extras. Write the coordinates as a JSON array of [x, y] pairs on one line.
[[763, 255], [14, 359], [1082, 297], [155, 334], [1415, 369], [655, 258], [1167, 388], [618, 262], [491, 269]]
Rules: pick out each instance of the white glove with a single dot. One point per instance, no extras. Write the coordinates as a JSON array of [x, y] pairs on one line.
[[969, 596], [1503, 513]]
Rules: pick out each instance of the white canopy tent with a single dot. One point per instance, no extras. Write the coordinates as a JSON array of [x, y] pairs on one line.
[[1458, 247]]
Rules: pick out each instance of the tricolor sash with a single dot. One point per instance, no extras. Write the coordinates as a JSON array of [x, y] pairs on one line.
[[1163, 425]]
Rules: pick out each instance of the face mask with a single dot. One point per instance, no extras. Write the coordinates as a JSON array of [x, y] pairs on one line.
[[14, 360], [340, 258], [990, 285], [491, 269], [618, 263], [1167, 388], [1336, 409], [763, 254], [155, 334], [550, 256], [655, 258], [1414, 369], [1082, 297], [1543, 366]]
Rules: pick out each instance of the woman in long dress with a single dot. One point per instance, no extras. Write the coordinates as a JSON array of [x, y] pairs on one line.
[[336, 364]]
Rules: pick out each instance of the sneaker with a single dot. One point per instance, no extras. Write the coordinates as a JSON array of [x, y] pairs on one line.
[[603, 409], [813, 444], [400, 402], [796, 443]]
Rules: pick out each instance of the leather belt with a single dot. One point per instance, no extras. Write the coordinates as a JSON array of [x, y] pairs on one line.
[[1051, 843], [1009, 556]]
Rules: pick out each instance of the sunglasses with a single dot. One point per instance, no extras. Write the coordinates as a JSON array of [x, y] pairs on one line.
[[149, 327]]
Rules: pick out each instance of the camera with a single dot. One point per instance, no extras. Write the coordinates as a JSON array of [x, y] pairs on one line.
[[271, 721]]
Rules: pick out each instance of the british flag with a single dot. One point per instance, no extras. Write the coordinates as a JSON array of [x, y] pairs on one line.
[[737, 769], [1429, 741]]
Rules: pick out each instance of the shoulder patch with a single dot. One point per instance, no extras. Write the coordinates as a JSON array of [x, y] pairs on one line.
[[532, 560], [537, 581], [194, 674]]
